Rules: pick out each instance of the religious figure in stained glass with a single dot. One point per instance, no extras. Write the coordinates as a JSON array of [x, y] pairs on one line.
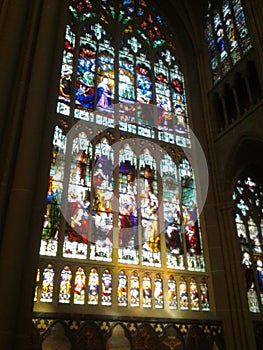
[[122, 289], [227, 36], [65, 285], [204, 295], [106, 288], [125, 197], [172, 293], [93, 287], [47, 285], [135, 290], [247, 197], [79, 286], [146, 291], [158, 292], [183, 294]]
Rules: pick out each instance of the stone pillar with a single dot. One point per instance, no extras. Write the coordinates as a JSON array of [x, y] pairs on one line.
[[224, 111], [39, 25], [236, 101], [250, 97]]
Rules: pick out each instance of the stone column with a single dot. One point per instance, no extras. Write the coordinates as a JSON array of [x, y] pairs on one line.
[[39, 24]]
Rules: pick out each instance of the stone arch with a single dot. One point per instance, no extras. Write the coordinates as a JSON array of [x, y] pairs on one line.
[[172, 339], [196, 339], [89, 338], [56, 338], [118, 339], [146, 339], [246, 156]]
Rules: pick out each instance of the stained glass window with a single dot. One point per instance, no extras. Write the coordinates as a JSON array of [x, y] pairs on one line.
[[128, 215], [37, 284], [194, 294], [47, 287], [172, 293], [183, 294], [147, 291], [135, 290], [248, 200], [93, 287], [79, 286], [106, 288], [121, 192], [158, 292], [122, 289], [195, 258], [227, 36], [204, 295], [65, 285]]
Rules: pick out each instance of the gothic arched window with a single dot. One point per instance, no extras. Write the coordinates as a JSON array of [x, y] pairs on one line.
[[121, 190], [248, 200], [226, 34]]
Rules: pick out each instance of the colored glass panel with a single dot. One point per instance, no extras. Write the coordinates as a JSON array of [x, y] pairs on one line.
[[163, 93], [146, 291], [180, 108], [65, 83], [172, 214], [204, 295], [151, 255], [128, 216], [85, 86], [79, 286], [135, 290], [221, 43], [93, 287], [126, 76], [143, 80], [78, 206], [248, 200], [191, 230], [194, 295], [37, 285], [47, 287], [122, 289], [158, 292], [230, 31], [102, 216], [183, 294], [65, 285], [106, 288], [172, 293], [81, 9], [212, 52], [241, 26], [51, 223]]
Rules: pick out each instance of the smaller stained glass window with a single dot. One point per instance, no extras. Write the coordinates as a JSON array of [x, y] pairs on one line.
[[79, 286], [106, 288], [158, 292], [194, 295], [37, 284], [204, 295], [93, 287], [183, 294], [227, 36], [147, 291], [135, 290], [122, 289], [248, 200], [65, 285], [172, 293], [47, 284]]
